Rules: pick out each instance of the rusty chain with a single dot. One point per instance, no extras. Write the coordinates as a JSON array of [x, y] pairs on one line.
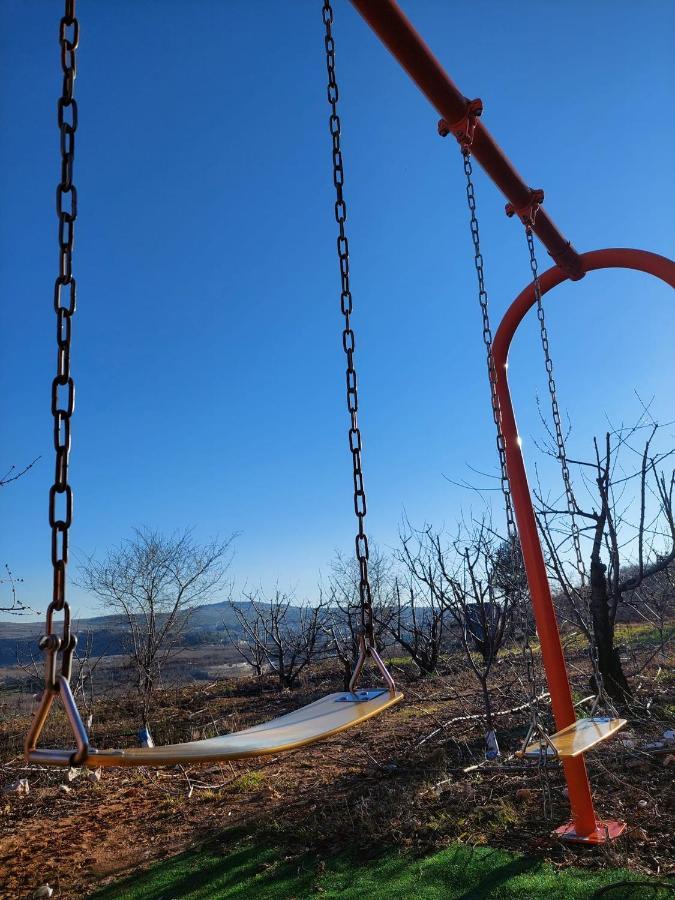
[[63, 386], [348, 339]]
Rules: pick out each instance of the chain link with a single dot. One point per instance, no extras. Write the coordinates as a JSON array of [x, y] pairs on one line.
[[348, 339], [63, 386]]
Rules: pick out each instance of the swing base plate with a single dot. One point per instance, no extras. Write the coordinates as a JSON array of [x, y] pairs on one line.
[[360, 696], [606, 830]]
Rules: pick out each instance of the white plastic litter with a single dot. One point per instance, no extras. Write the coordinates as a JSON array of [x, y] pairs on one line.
[[19, 787], [43, 891]]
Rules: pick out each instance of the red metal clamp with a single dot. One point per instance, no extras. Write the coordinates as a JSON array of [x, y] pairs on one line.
[[528, 213], [463, 129]]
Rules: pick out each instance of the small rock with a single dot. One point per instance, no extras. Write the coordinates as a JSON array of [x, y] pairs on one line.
[[524, 795], [643, 804], [19, 787], [43, 891], [65, 788]]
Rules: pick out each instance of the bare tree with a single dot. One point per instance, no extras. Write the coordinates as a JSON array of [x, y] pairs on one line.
[[82, 681], [627, 530], [477, 582], [250, 643], [653, 602], [343, 602], [421, 615], [13, 605], [287, 636], [156, 581]]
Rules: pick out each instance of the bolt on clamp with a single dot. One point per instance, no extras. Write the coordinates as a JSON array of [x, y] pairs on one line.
[[527, 213], [463, 129]]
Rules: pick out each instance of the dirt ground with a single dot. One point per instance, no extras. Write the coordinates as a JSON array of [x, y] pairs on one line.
[[385, 783]]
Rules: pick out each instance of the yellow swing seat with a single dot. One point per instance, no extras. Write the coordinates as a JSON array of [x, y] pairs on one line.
[[578, 738], [314, 722]]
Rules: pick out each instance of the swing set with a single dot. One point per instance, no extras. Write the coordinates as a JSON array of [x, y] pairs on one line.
[[339, 711]]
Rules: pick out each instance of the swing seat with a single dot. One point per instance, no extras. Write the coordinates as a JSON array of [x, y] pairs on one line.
[[312, 723], [577, 738]]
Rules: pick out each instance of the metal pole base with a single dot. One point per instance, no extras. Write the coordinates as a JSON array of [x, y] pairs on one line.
[[606, 830]]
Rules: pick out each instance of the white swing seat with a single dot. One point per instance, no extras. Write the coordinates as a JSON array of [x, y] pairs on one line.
[[312, 723], [577, 738]]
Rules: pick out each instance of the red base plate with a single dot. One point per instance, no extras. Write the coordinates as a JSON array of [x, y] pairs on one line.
[[605, 830]]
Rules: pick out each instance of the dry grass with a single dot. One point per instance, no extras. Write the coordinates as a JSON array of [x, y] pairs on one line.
[[375, 786]]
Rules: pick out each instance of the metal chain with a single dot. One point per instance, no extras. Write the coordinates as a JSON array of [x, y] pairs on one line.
[[348, 341], [528, 655], [555, 409], [63, 386], [487, 340], [566, 476]]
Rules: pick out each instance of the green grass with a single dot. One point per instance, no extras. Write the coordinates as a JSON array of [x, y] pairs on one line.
[[249, 870], [249, 781], [642, 634]]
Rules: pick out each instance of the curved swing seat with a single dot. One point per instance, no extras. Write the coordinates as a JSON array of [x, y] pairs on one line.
[[312, 723], [576, 739]]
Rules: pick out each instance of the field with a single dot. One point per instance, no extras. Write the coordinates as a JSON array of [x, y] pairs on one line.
[[400, 807]]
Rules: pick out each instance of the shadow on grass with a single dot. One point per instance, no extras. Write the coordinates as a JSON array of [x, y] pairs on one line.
[[244, 871], [243, 868]]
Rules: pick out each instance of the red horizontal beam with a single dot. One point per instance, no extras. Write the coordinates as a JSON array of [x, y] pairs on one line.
[[396, 32]]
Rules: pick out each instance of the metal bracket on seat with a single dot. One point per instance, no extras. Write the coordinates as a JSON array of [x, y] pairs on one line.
[[360, 696], [365, 650], [62, 690]]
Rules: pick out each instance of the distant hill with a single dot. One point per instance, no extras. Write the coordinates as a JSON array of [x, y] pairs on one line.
[[207, 625]]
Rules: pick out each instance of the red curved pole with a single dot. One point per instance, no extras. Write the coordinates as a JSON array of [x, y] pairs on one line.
[[585, 823]]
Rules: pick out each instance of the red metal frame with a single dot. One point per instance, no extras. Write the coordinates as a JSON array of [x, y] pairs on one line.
[[460, 117], [585, 826], [396, 32]]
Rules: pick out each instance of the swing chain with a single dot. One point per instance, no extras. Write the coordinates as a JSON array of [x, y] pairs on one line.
[[63, 387], [555, 409], [487, 340], [348, 337], [516, 554], [601, 694]]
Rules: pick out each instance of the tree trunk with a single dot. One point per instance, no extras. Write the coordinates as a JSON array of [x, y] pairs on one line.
[[346, 674], [609, 664]]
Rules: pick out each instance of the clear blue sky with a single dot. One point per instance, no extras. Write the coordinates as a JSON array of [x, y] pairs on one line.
[[207, 355]]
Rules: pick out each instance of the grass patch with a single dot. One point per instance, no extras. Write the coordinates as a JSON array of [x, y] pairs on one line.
[[644, 634], [249, 781], [244, 869]]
